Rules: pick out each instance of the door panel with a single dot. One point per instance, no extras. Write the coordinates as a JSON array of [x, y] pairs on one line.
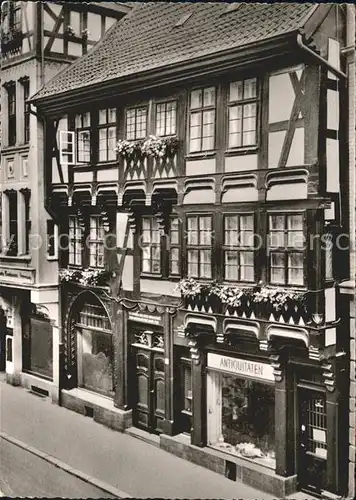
[[312, 441], [142, 412], [159, 391]]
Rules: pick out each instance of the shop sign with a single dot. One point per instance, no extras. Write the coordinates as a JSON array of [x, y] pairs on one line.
[[19, 276], [243, 367], [145, 318]]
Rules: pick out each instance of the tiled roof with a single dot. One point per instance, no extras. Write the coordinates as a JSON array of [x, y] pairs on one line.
[[147, 38]]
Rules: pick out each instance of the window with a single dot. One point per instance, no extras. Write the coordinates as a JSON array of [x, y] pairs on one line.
[[39, 355], [136, 123], [11, 106], [286, 249], [75, 242], [27, 198], [66, 147], [238, 247], [52, 240], [13, 243], [166, 117], [242, 422], [26, 94], [107, 134], [11, 39], [95, 348], [174, 250], [151, 246], [82, 126], [243, 113], [199, 246], [96, 242], [202, 120]]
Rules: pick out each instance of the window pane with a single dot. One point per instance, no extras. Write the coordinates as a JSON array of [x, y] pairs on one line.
[[193, 263], [205, 264], [250, 88], [102, 116], [277, 268], [111, 115], [295, 221], [231, 265], [196, 99], [236, 91], [209, 97], [276, 222]]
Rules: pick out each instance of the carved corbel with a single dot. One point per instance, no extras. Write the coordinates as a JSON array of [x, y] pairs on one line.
[[132, 220]]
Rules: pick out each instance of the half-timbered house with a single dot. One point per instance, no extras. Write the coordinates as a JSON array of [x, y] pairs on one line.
[[38, 39], [195, 166]]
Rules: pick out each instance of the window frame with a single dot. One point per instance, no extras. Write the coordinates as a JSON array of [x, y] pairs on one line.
[[26, 111], [151, 245], [238, 249], [11, 111], [198, 247], [200, 110], [241, 103], [76, 241], [106, 126], [96, 243], [136, 109], [165, 103], [78, 132], [13, 249], [287, 250]]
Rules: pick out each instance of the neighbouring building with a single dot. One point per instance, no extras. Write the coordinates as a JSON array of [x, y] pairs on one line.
[[38, 39], [196, 171]]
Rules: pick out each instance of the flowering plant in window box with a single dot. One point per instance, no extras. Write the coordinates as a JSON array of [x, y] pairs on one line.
[[129, 149], [94, 277], [189, 287], [160, 147], [278, 298], [70, 30], [72, 275]]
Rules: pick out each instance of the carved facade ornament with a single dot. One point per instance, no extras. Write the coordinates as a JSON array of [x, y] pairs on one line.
[[277, 365], [195, 353]]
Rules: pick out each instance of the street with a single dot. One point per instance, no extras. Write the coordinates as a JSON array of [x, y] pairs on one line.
[[22, 474]]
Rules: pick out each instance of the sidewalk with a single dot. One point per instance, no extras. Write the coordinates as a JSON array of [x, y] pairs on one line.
[[128, 464]]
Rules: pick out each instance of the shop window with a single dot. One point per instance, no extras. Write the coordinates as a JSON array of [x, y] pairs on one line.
[[136, 123], [82, 127], [199, 246], [202, 120], [40, 349], [107, 134], [96, 242], [243, 113], [166, 116], [75, 242], [95, 349], [241, 417], [150, 246], [238, 247], [286, 243]]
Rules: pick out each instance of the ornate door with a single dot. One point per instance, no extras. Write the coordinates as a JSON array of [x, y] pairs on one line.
[[312, 441], [149, 408]]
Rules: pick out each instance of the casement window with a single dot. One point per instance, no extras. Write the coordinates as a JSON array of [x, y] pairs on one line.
[[242, 108], [202, 120], [150, 246], [286, 248], [11, 106], [136, 123], [66, 147], [107, 134], [82, 127], [174, 249], [13, 243], [96, 242], [199, 246], [26, 110], [76, 234], [15, 16], [166, 118], [238, 247]]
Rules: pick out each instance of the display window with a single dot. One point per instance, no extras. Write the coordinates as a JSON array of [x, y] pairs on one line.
[[241, 417]]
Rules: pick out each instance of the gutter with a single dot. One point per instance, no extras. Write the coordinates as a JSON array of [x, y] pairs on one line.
[[321, 60]]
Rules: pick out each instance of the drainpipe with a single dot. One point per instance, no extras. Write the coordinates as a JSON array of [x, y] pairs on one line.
[[321, 60]]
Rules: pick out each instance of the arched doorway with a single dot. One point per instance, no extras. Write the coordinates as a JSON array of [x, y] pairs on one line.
[[95, 350]]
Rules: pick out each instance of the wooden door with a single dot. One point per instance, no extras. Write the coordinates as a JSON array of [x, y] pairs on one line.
[[312, 441], [149, 408]]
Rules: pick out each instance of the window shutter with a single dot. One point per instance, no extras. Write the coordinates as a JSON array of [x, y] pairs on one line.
[[66, 147]]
